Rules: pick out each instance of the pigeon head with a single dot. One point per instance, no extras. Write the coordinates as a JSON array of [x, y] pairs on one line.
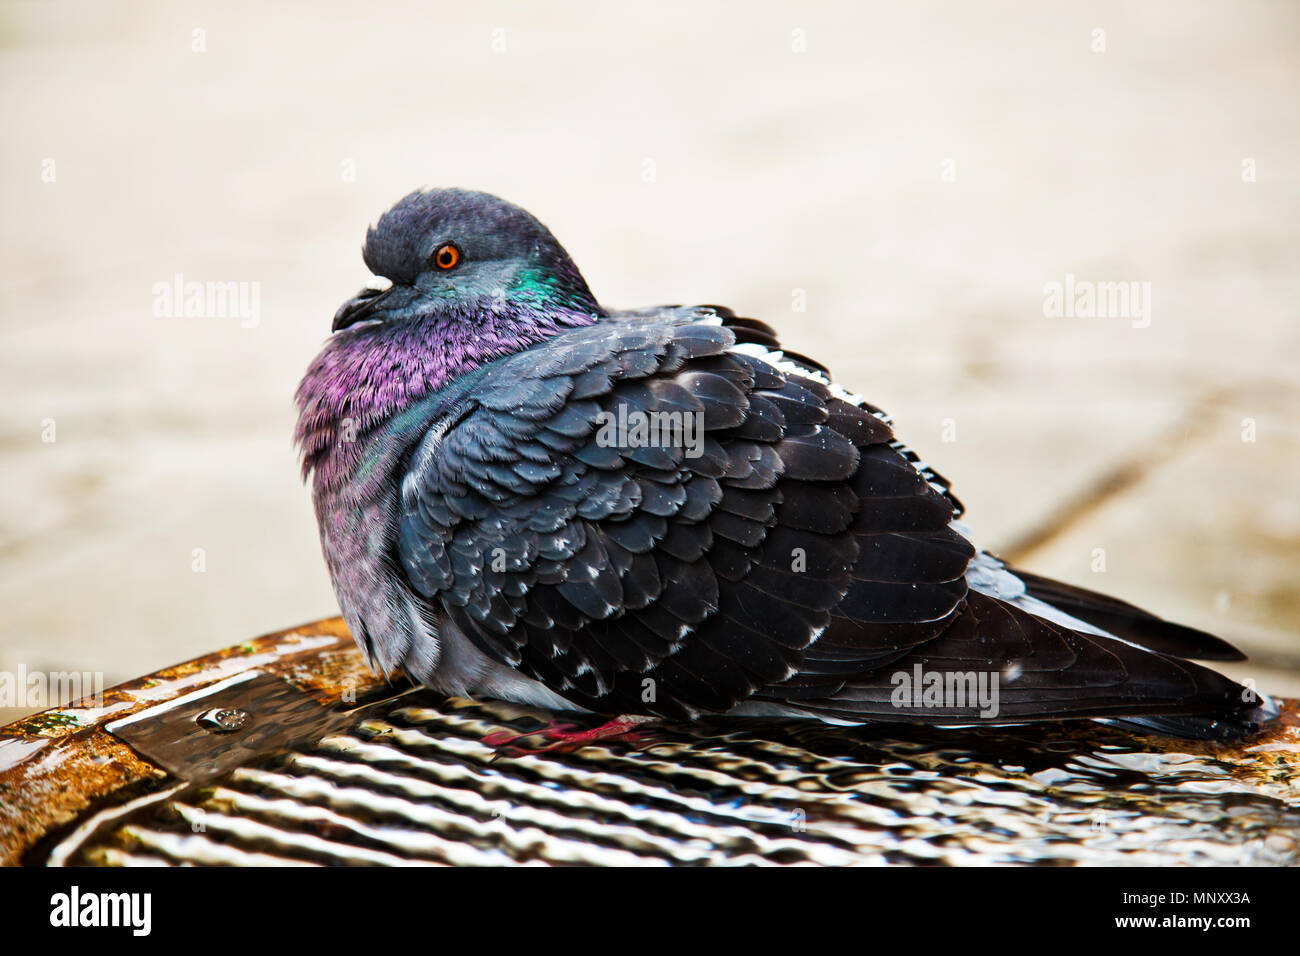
[[458, 252], [461, 279]]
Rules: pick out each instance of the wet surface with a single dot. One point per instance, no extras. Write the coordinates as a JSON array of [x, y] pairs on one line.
[[218, 728], [409, 781]]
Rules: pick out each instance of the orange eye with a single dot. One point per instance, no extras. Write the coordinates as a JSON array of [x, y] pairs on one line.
[[446, 256]]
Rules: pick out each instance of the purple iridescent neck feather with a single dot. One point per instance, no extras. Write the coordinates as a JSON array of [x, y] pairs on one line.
[[366, 375]]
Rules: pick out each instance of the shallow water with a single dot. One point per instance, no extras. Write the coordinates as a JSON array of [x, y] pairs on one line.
[[410, 781]]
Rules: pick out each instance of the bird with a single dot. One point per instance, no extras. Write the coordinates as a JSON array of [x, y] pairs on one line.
[[661, 514]]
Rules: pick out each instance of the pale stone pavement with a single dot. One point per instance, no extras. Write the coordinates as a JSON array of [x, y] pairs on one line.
[[919, 174]]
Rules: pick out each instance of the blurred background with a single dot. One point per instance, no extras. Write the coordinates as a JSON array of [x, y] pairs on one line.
[[896, 189]]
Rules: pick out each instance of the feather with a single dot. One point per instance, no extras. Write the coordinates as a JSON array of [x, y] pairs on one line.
[[803, 556]]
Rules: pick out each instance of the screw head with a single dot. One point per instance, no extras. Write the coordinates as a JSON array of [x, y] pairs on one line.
[[222, 720]]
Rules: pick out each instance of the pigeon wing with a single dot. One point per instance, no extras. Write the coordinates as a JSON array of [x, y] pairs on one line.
[[797, 555], [678, 577]]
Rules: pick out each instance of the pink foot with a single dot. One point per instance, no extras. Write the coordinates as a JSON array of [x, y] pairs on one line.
[[565, 738]]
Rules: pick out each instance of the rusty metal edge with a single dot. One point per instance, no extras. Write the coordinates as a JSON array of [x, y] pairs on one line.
[[57, 764]]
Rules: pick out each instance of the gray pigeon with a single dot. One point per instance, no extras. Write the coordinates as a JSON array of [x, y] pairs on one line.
[[659, 513]]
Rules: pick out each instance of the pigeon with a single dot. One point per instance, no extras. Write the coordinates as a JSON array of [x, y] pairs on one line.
[[661, 514]]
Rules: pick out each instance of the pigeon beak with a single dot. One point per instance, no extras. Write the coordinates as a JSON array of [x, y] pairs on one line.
[[361, 305]]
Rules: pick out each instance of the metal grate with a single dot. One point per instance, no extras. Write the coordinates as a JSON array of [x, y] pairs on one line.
[[410, 781]]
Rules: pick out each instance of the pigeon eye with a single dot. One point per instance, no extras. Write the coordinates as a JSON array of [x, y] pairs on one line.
[[446, 256]]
